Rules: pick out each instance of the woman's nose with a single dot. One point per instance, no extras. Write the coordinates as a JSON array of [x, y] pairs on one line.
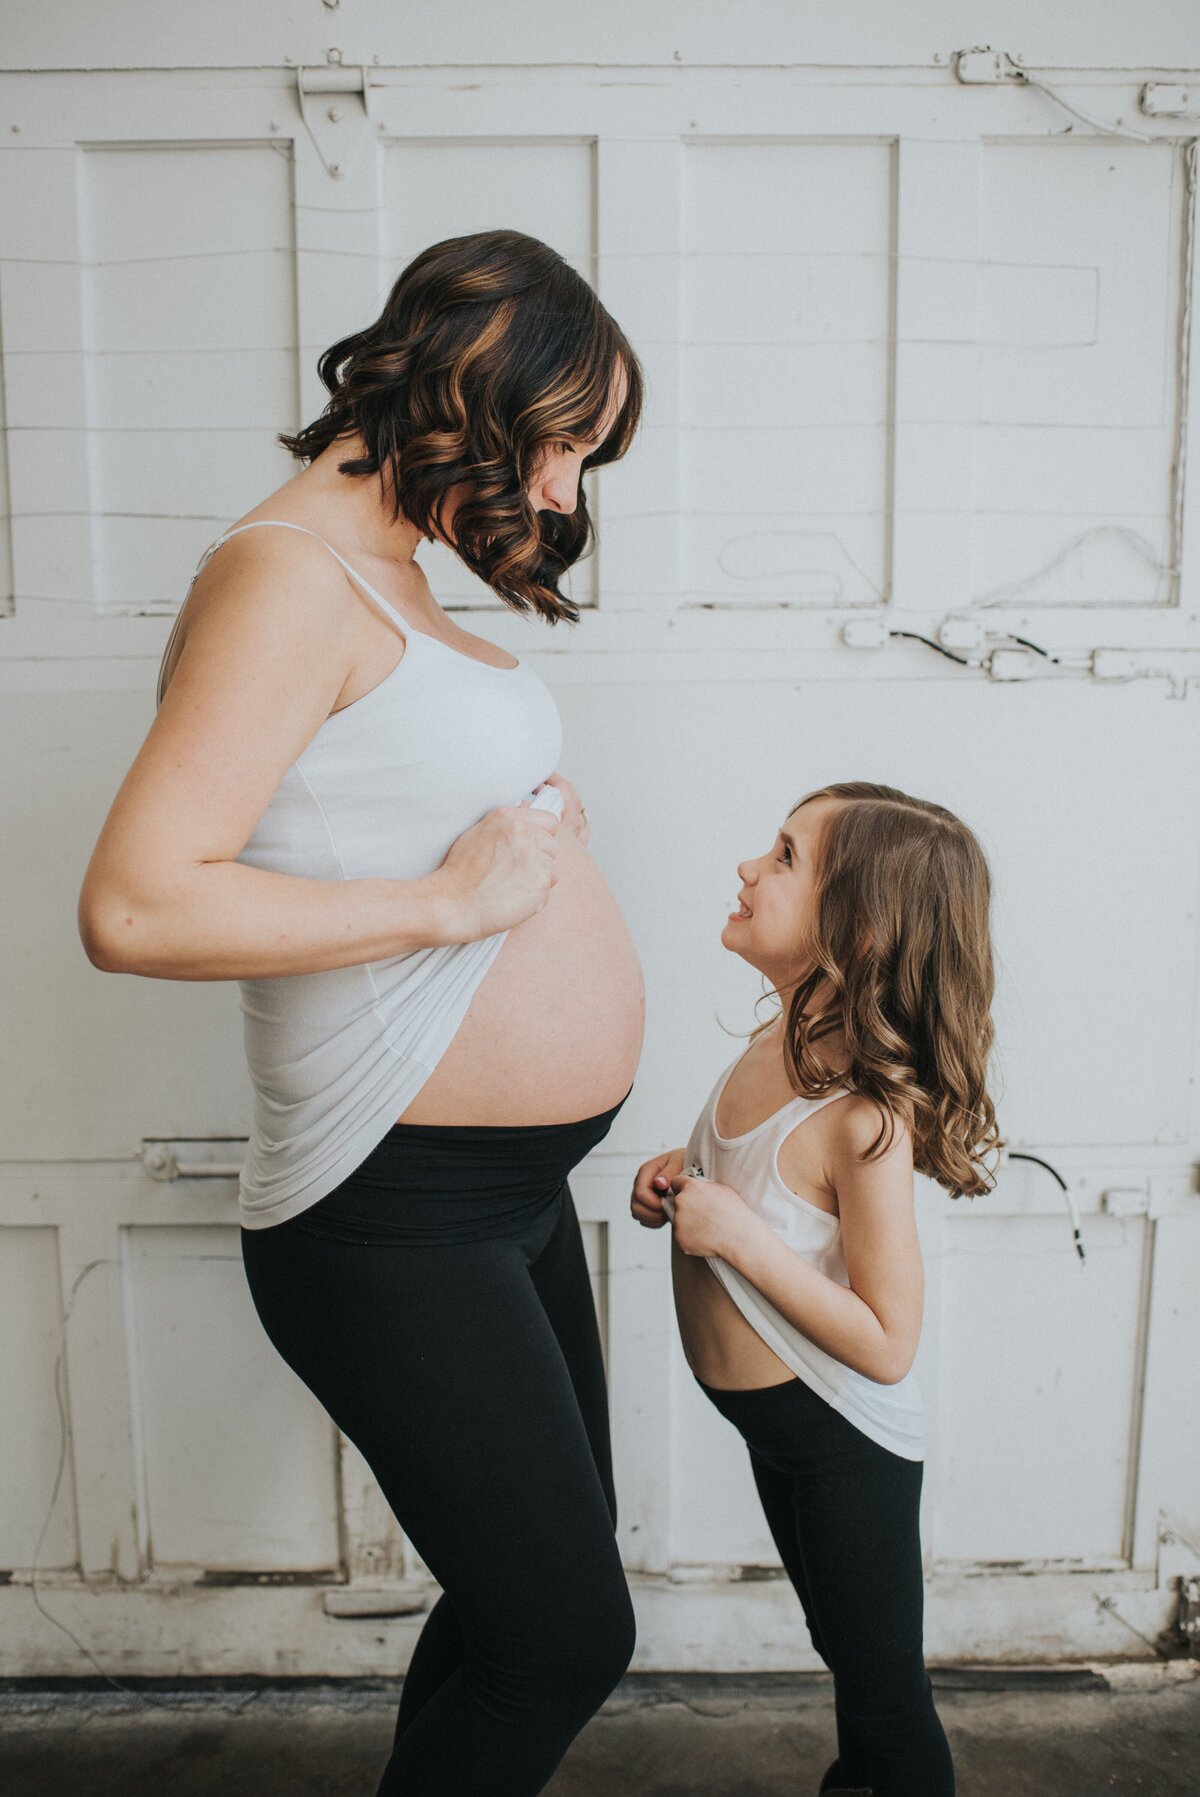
[[560, 491]]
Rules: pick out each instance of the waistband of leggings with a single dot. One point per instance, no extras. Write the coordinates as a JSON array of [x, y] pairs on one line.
[[450, 1182], [501, 1135]]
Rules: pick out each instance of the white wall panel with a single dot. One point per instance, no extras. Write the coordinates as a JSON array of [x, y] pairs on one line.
[[6, 569], [189, 260], [31, 1304], [1079, 330], [98, 1062], [785, 371], [1170, 1434], [1038, 1389], [238, 1458]]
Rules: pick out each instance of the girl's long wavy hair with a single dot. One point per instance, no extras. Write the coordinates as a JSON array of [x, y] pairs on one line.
[[489, 350], [900, 976]]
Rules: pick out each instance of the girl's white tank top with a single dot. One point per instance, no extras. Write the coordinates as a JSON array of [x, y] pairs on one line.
[[381, 791], [892, 1415]]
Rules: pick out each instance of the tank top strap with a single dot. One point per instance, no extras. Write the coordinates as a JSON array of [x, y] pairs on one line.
[[389, 611], [791, 1115]]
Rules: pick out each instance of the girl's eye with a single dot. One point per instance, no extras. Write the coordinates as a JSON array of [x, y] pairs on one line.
[[785, 855]]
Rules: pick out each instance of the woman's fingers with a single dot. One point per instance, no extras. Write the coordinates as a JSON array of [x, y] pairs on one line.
[[574, 813]]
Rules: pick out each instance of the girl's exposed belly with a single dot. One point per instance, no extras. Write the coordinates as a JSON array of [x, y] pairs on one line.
[[554, 1032], [721, 1347]]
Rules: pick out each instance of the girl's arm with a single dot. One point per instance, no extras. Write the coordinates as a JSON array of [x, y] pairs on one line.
[[874, 1325]]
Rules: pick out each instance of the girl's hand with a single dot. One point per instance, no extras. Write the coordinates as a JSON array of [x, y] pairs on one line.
[[708, 1216], [499, 872], [574, 812], [652, 1181]]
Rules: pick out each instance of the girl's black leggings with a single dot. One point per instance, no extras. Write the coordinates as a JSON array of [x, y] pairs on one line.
[[844, 1515], [439, 1306]]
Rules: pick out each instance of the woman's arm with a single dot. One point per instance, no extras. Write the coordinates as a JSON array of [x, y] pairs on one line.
[[873, 1326], [267, 652]]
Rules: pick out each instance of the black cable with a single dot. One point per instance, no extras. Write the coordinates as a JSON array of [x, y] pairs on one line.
[[916, 637], [1037, 1161], [1037, 650]]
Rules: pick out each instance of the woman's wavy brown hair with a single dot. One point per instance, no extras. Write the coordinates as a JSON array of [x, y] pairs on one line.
[[489, 350], [900, 973]]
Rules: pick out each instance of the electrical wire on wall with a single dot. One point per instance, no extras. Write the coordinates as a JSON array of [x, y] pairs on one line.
[[1072, 1208]]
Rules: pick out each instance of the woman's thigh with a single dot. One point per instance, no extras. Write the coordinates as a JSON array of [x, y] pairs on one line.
[[443, 1366], [563, 1283]]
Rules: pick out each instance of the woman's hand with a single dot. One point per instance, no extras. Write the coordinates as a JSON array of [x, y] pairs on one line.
[[499, 872], [651, 1182], [708, 1217], [574, 812]]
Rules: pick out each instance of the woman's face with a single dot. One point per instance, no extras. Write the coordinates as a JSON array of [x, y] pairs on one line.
[[553, 486], [778, 894], [553, 483]]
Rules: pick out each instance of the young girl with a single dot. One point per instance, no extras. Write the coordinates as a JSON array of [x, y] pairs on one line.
[[797, 1270]]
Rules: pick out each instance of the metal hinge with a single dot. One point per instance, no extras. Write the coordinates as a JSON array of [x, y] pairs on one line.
[[335, 104], [192, 1157], [395, 1600], [1187, 1620]]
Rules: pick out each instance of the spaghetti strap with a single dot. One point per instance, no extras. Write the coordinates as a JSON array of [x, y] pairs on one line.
[[389, 611]]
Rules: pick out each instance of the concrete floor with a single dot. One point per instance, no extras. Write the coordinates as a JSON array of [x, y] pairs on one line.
[[1135, 1732]]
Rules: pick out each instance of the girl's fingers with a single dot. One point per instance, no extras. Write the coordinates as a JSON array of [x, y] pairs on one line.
[[649, 1219]]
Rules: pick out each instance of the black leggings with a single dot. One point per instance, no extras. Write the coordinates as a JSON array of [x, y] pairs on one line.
[[438, 1304], [843, 1514]]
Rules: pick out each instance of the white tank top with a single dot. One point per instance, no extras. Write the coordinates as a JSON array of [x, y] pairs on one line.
[[891, 1415], [383, 789]]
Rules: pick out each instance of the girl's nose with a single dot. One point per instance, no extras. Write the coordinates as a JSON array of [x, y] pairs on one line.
[[747, 872]]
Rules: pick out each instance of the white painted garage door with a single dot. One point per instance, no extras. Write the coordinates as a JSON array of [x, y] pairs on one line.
[[918, 350]]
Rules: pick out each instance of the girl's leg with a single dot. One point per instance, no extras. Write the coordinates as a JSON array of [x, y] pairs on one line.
[[562, 1281], [441, 1363], [844, 1514]]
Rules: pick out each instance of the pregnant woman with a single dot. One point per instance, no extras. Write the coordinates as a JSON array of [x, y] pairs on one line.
[[350, 804]]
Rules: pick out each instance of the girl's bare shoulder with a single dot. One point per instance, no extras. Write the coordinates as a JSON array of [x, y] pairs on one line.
[[858, 1133]]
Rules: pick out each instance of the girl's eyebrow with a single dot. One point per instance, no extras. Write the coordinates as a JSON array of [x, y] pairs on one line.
[[785, 838]]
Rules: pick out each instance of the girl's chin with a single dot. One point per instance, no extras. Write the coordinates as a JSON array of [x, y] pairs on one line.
[[733, 937]]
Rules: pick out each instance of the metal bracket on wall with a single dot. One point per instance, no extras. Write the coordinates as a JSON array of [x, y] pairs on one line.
[[335, 104], [192, 1157], [1164, 100]]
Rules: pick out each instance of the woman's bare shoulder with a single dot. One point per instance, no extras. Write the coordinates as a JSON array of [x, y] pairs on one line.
[[281, 586]]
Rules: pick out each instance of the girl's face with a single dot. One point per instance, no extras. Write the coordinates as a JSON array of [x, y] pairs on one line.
[[778, 894]]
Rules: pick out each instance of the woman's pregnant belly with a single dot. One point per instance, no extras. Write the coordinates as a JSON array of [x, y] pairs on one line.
[[554, 1032], [721, 1347]]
